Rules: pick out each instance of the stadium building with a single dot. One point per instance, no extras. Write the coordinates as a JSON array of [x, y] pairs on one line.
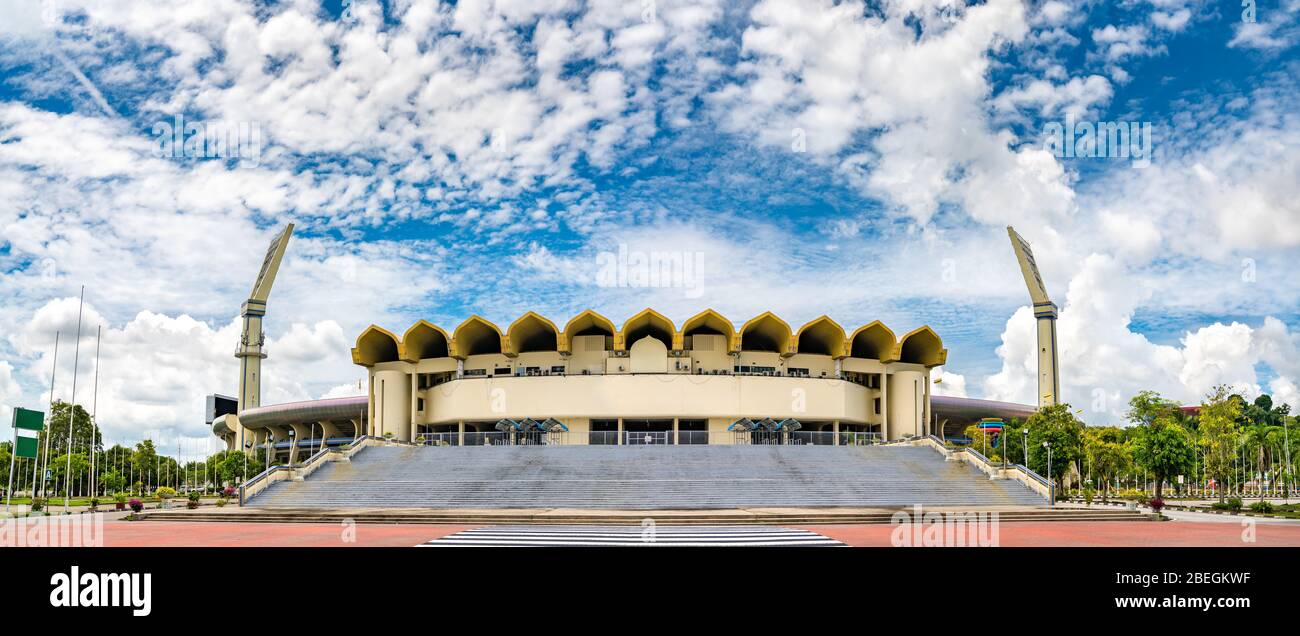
[[647, 381]]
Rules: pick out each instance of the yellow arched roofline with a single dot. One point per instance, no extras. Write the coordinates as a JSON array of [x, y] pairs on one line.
[[620, 338], [785, 343], [888, 351], [458, 346], [405, 346], [361, 353], [839, 343], [704, 318], [577, 324], [534, 317], [933, 356]]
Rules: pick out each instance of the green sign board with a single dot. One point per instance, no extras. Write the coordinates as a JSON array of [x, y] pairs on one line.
[[27, 432]]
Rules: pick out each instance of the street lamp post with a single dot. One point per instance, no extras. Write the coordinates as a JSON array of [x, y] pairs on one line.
[[1025, 432], [1051, 501]]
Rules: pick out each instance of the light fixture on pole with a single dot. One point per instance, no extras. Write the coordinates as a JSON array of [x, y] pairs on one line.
[[1051, 480]]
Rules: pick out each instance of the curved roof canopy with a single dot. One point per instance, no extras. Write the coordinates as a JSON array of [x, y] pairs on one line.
[[476, 336], [375, 345], [532, 332], [646, 323], [922, 346], [346, 408], [821, 336], [707, 322], [425, 340], [765, 332], [874, 341]]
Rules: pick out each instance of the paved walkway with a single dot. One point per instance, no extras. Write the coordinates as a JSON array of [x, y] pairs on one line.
[[1209, 533], [1112, 534], [633, 536]]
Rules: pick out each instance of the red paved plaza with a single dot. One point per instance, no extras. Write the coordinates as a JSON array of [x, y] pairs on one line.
[[1067, 534]]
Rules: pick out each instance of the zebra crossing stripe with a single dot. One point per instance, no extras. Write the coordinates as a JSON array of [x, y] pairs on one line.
[[631, 536]]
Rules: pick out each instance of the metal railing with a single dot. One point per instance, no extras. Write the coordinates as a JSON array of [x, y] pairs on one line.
[[1024, 470], [309, 464], [647, 438]]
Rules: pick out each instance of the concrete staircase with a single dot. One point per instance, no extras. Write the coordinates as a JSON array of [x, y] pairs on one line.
[[644, 478], [773, 517]]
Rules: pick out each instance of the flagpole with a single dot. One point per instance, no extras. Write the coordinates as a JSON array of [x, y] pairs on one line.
[[94, 409], [37, 465], [72, 411], [13, 459]]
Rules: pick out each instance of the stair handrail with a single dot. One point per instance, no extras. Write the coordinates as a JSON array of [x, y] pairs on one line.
[[243, 488], [255, 479], [1028, 472]]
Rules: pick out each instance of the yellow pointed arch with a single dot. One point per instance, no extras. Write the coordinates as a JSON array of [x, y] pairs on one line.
[[708, 321], [586, 323], [822, 336], [424, 340], [646, 323], [475, 336], [376, 345], [922, 346], [873, 341], [532, 332], [764, 332]]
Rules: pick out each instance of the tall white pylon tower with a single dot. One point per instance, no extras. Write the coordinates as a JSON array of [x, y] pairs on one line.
[[1049, 378], [250, 352]]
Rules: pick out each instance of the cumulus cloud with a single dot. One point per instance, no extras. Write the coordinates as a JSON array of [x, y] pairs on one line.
[[947, 383], [155, 369], [1271, 31], [423, 149], [1104, 361]]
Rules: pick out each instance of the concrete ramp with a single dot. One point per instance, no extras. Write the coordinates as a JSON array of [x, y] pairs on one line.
[[645, 478]]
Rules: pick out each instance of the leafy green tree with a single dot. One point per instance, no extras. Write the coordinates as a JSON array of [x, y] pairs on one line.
[[236, 465], [59, 465], [6, 456], [1219, 432], [113, 481], [1145, 407], [145, 461], [1165, 449], [57, 428], [1057, 426], [1108, 453]]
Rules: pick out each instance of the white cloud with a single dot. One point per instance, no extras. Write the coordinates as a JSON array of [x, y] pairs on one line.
[[947, 383], [155, 369], [1275, 28], [1103, 361]]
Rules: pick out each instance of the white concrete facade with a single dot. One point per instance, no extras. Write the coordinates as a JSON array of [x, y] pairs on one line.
[[647, 370]]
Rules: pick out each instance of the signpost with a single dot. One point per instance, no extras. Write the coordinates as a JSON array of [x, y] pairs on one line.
[[27, 434]]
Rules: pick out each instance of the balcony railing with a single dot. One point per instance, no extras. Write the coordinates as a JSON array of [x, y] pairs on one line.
[[651, 438]]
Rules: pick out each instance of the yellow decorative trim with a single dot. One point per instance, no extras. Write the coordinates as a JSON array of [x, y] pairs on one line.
[[620, 338], [456, 349], [890, 349], [841, 340], [406, 338], [786, 348], [358, 354], [679, 339], [934, 357], [510, 331], [596, 318]]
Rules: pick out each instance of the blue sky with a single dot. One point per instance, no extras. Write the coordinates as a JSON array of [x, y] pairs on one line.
[[442, 160]]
